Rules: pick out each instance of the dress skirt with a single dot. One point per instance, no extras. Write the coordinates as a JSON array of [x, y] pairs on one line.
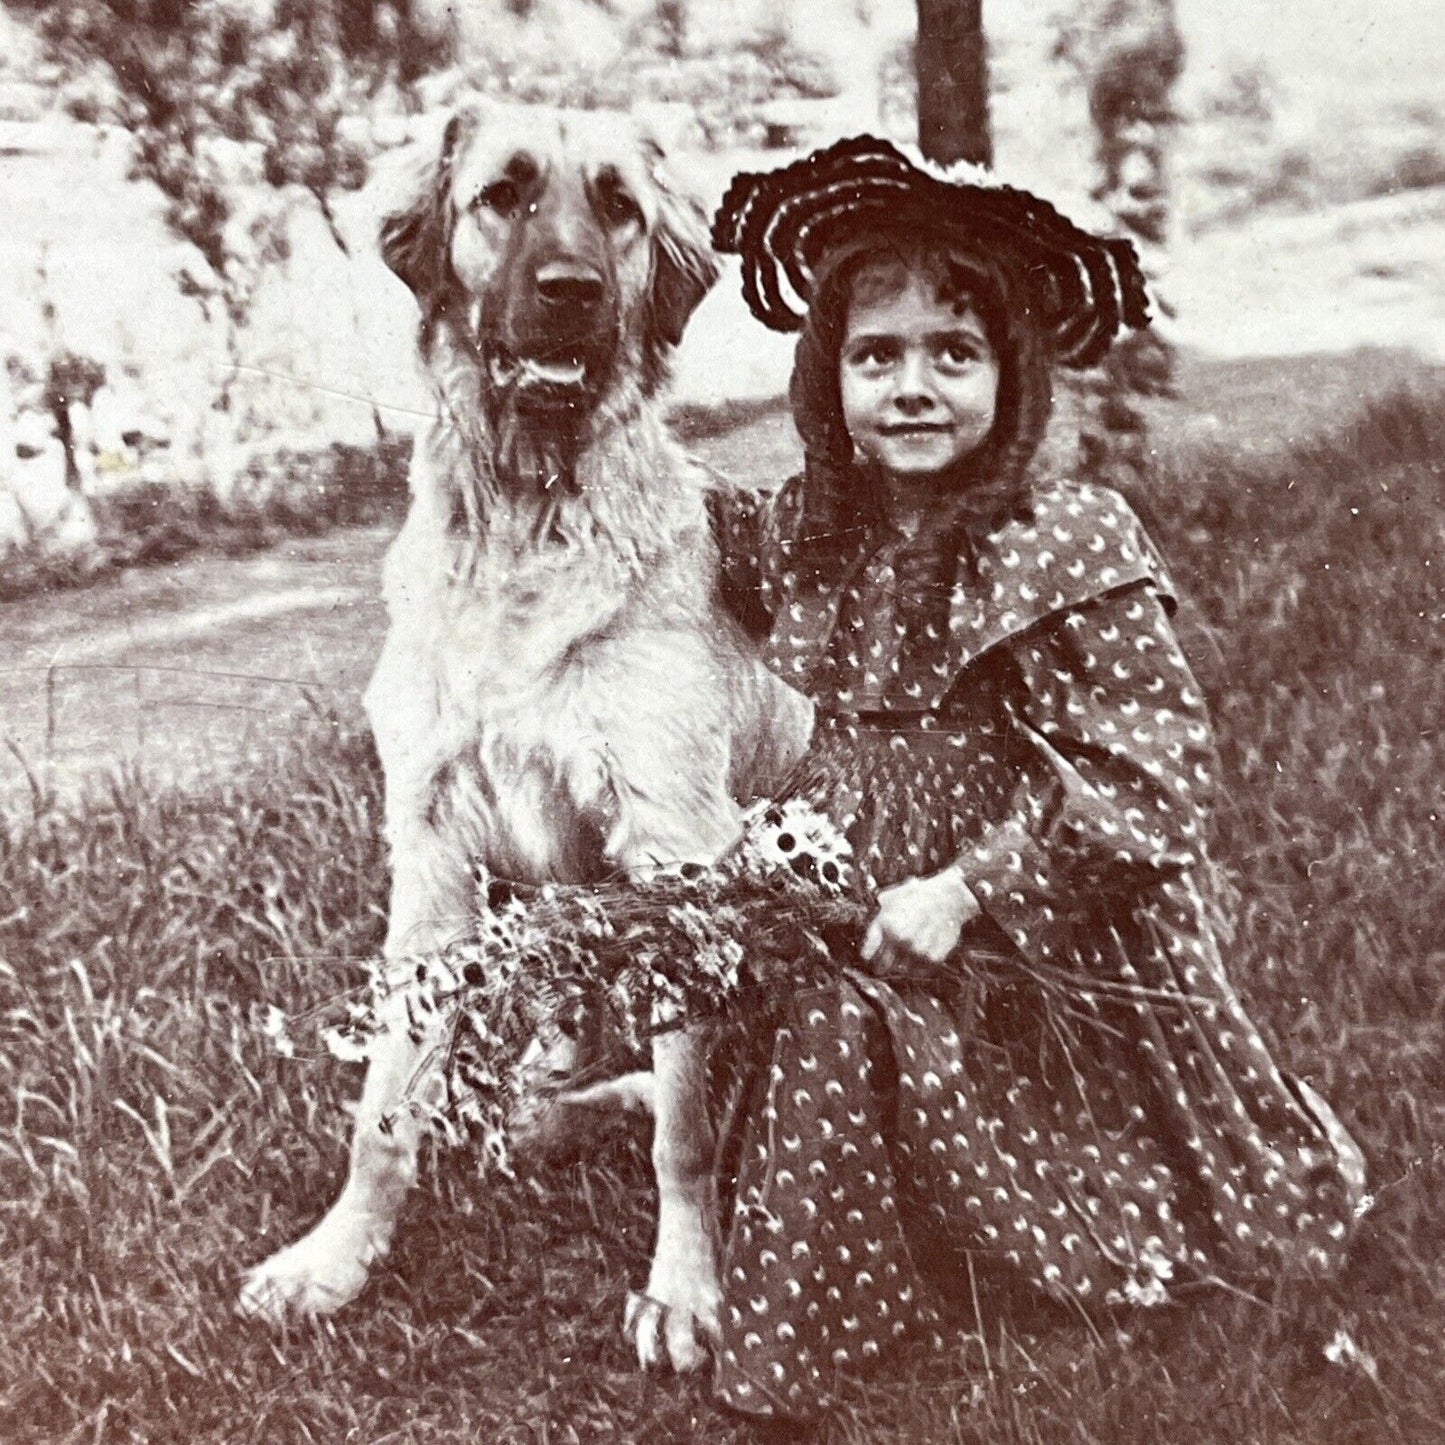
[[1108, 1131]]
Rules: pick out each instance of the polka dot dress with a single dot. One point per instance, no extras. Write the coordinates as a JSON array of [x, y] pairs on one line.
[[1098, 1120]]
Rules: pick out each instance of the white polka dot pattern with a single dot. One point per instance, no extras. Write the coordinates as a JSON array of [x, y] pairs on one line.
[[836, 632], [1099, 1120]]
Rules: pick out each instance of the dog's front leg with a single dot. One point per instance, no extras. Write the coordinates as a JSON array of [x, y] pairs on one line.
[[678, 1315], [329, 1267], [654, 818]]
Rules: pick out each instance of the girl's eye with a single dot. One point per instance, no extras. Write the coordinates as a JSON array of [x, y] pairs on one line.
[[959, 353], [873, 354]]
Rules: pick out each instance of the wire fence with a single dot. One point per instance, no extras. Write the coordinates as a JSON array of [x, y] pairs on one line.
[[86, 717]]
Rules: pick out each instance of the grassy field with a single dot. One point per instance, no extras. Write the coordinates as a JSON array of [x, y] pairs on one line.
[[152, 1145]]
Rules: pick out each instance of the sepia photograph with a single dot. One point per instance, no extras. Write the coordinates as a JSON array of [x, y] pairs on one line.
[[719, 722]]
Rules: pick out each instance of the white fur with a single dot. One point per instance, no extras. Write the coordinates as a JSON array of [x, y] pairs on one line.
[[558, 696]]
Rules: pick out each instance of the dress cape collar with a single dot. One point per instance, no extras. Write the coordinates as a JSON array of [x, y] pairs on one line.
[[1080, 541]]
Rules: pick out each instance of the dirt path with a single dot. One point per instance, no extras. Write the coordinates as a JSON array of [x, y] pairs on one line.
[[189, 669], [185, 669]]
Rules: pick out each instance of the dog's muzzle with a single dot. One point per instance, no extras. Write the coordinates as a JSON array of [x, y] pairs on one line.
[[554, 347]]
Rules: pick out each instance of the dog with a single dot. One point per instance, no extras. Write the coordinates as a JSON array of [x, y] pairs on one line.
[[560, 694]]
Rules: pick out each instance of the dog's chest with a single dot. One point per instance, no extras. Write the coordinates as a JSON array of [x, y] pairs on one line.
[[523, 691], [498, 656]]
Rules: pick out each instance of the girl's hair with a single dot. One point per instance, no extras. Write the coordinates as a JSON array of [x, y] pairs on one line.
[[992, 482]]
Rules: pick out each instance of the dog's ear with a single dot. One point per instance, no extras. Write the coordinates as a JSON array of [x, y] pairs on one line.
[[683, 268], [416, 240]]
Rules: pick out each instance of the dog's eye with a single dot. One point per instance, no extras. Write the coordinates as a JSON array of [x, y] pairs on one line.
[[615, 205], [502, 196]]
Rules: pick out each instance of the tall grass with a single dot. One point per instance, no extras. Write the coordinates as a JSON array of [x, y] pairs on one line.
[[151, 1144]]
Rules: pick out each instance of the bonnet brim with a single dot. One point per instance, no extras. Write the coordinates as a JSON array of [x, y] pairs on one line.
[[781, 224]]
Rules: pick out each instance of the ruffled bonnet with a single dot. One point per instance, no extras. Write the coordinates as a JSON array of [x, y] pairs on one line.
[[1048, 291]]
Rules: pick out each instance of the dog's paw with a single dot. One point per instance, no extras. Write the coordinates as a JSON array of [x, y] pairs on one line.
[[317, 1275], [677, 1318], [677, 1334]]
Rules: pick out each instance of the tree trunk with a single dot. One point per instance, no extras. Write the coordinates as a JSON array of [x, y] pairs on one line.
[[672, 22], [953, 82]]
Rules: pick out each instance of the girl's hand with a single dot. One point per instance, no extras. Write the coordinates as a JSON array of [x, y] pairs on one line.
[[921, 919]]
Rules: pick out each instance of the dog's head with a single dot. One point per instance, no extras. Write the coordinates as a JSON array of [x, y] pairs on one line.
[[548, 247]]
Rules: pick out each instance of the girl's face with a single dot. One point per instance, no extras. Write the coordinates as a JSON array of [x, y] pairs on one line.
[[918, 377]]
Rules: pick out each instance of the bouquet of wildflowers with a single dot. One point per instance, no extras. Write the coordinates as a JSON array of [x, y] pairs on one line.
[[686, 943]]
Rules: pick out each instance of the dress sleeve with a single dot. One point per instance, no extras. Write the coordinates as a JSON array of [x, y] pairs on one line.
[[743, 527], [1119, 768]]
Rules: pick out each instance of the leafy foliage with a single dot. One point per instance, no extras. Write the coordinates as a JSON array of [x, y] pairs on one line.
[[218, 91]]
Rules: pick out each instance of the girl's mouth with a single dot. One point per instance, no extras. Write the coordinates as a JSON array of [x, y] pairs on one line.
[[915, 429]]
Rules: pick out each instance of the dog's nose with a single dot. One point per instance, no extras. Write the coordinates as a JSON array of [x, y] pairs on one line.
[[570, 283]]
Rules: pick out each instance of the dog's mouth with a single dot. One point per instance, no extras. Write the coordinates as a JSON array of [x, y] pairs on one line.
[[542, 372], [562, 376]]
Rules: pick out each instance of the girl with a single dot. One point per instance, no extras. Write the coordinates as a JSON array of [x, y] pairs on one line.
[[1035, 1069]]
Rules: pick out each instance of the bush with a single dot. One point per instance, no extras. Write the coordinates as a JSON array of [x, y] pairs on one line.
[[220, 91], [281, 494]]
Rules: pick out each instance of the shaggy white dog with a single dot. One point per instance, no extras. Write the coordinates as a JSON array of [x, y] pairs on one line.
[[560, 695]]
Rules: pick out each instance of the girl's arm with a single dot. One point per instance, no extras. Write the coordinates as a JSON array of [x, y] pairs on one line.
[[743, 528], [1118, 778], [1119, 767]]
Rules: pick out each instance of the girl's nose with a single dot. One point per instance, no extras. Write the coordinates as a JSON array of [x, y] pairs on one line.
[[913, 388]]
